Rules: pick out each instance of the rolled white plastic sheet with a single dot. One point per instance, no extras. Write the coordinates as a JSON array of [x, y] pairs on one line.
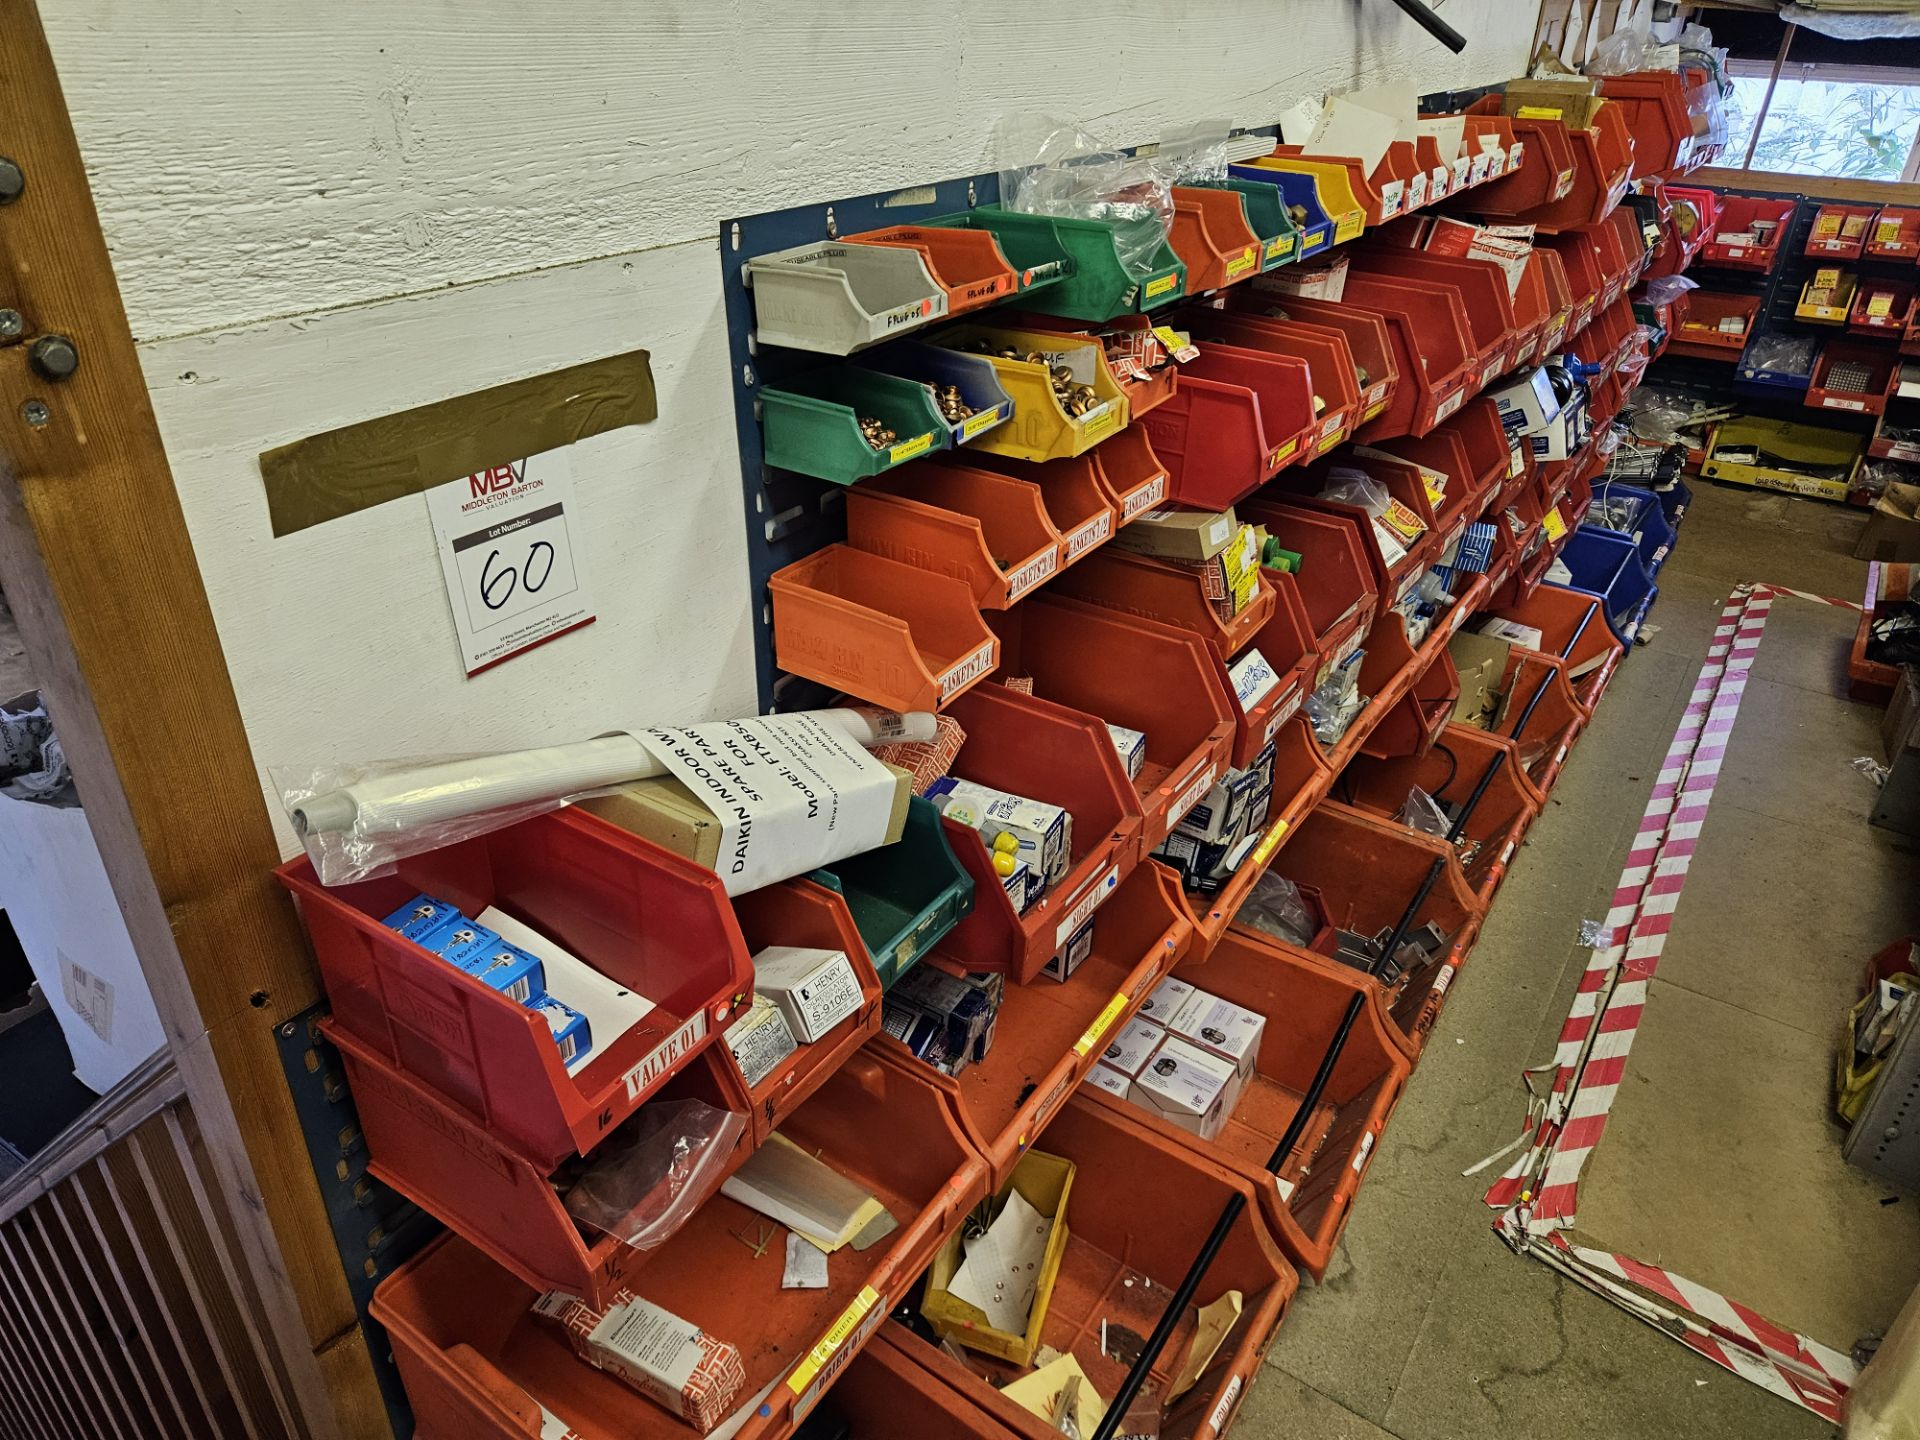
[[356, 821]]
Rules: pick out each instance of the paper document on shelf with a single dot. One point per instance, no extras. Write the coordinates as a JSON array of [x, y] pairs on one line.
[[1398, 101], [1448, 131], [1297, 123], [1346, 129], [791, 794], [785, 1183], [610, 1008], [1001, 1274], [1039, 1394]]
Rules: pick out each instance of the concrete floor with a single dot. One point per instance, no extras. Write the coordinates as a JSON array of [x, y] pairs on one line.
[[1718, 1162]]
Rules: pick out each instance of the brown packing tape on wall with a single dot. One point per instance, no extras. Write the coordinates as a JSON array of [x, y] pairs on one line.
[[339, 472]]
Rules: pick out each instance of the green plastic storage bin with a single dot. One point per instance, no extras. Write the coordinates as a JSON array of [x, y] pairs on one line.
[[904, 897], [811, 423], [1100, 287]]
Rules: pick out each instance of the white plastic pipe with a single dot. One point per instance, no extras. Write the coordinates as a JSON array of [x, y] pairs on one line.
[[448, 790]]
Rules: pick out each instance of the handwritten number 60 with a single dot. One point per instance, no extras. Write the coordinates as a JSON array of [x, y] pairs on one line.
[[497, 587]]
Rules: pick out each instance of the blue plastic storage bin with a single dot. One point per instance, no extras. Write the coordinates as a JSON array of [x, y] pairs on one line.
[[1636, 513], [1607, 567]]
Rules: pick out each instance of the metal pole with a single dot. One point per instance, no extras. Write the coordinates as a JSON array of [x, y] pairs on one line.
[[1433, 25], [1565, 651]]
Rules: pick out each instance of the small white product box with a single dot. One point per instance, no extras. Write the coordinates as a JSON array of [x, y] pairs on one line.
[[1067, 958], [1221, 1028], [1131, 746], [1132, 1046], [1253, 679], [1112, 1081], [1528, 403], [1187, 1087], [1165, 1001], [1525, 636], [815, 989], [760, 1040], [1044, 832]]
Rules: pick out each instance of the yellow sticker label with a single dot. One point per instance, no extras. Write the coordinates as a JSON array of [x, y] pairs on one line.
[[1242, 263], [1374, 409], [1103, 1022], [907, 449], [974, 424], [1279, 247], [829, 1344], [1098, 424], [1329, 442], [1165, 285], [1263, 852], [1540, 112], [1284, 451], [1313, 241], [1553, 525], [1348, 226]]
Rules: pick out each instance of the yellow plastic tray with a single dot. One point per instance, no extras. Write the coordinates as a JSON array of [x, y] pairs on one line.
[[1044, 1182], [1808, 444]]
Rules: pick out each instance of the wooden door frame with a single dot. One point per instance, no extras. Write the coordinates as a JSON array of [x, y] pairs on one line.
[[97, 562]]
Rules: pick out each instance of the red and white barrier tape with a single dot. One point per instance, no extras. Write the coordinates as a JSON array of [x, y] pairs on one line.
[[1537, 1194]]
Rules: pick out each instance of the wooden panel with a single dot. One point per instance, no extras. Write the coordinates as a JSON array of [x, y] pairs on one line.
[[96, 560], [1864, 192]]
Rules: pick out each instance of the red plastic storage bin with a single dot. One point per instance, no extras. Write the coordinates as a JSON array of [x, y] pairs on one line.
[[1168, 592], [1532, 312], [1431, 354], [1550, 732], [893, 635], [1677, 250], [1329, 363], [802, 913], [1700, 333], [640, 915], [1545, 176], [1444, 453], [1336, 584], [477, 1365], [1483, 440], [1042, 751], [1428, 685], [1828, 238], [1130, 474], [1560, 300], [1875, 366], [1237, 418], [1871, 317], [1482, 287], [461, 1173], [1737, 215], [1654, 105], [1159, 680], [1366, 335], [1129, 1243], [1367, 875], [1211, 236], [1078, 499], [1404, 482], [1895, 234], [1049, 1035], [1303, 998], [1557, 614], [1449, 773], [888, 1379], [1580, 264]]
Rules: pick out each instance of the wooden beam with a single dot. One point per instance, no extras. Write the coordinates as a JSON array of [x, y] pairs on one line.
[[96, 560], [1863, 192]]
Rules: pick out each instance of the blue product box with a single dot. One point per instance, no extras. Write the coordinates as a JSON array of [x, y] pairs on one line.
[[420, 917], [510, 970], [569, 1026]]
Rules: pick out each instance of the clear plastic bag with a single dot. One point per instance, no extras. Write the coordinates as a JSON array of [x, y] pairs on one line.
[[1195, 154], [1050, 166], [655, 1171], [1622, 52], [1274, 905], [1875, 475], [1355, 487], [1665, 289], [32, 763], [1420, 811], [1783, 354]]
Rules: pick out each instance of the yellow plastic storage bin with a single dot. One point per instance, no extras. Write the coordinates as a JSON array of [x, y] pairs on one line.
[[1343, 207], [1041, 428], [1044, 1182], [1788, 442]]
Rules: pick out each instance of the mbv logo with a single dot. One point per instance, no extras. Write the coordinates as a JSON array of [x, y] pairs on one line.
[[497, 479]]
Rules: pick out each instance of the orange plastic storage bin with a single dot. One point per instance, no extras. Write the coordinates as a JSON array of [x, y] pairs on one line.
[[1237, 418], [1159, 680], [1545, 176], [1560, 299], [1700, 333], [1170, 593], [1366, 336], [1532, 311], [1557, 615], [968, 264], [640, 915], [1895, 234], [1549, 735], [988, 531], [1130, 474], [1079, 500], [1449, 773], [891, 634], [1840, 232], [889, 1379], [1128, 1245], [1049, 1035], [1602, 162], [1580, 263], [1428, 684], [462, 1174], [1211, 236], [477, 1365], [1329, 363], [1367, 874], [1303, 999], [1654, 105], [1033, 748], [1483, 441], [1737, 244], [1336, 582]]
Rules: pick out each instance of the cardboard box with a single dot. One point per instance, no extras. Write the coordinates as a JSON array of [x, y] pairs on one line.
[[1527, 637], [1130, 745], [1527, 404], [1221, 1028], [1892, 530], [1571, 101], [1043, 832], [1482, 663], [1173, 533], [571, 1033], [1253, 679], [1187, 1087], [760, 1040], [815, 989], [1167, 997], [1111, 1081], [1064, 961], [665, 811]]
